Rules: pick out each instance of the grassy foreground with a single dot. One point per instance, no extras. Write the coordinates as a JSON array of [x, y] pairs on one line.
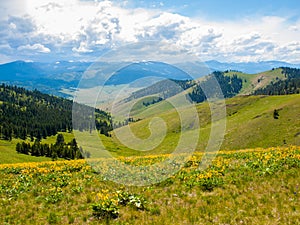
[[253, 186]]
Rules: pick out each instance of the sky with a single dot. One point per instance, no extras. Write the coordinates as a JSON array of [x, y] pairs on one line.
[[83, 30]]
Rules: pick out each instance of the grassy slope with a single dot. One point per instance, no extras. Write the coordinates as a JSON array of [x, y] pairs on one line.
[[8, 154], [248, 195], [250, 123], [253, 124], [252, 82]]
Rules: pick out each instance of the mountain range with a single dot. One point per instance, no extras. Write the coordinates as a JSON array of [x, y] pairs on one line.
[[54, 76]]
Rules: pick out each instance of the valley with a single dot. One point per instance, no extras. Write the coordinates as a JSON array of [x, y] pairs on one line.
[[251, 179]]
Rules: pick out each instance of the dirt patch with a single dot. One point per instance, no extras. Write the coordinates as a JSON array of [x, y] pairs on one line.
[[297, 134], [231, 105], [258, 116]]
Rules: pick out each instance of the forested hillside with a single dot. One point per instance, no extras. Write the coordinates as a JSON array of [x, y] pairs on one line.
[[163, 89], [33, 114], [290, 85], [230, 87]]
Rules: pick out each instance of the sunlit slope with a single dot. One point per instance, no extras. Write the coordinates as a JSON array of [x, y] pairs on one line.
[[252, 82], [8, 154], [249, 123], [253, 125], [136, 108]]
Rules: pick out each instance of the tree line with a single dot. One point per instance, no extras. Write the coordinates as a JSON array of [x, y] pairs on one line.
[[152, 102], [291, 85], [60, 149]]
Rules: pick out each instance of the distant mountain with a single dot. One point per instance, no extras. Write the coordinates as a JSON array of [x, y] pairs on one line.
[[20, 70], [46, 77], [52, 77], [249, 67], [141, 70]]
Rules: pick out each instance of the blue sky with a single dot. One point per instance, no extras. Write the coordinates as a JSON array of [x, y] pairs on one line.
[[220, 10], [53, 30]]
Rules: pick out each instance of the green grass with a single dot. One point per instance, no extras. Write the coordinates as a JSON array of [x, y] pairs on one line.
[[241, 187], [259, 186], [139, 105], [249, 123], [52, 139], [251, 82], [8, 152]]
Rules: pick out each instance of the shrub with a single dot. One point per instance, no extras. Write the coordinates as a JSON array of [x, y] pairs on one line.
[[106, 209], [137, 201]]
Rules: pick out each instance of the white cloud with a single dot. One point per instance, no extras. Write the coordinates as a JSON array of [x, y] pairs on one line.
[[82, 48], [5, 59], [34, 48], [5, 48], [289, 52], [74, 28]]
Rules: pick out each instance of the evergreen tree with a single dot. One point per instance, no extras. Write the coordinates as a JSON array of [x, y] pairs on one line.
[[60, 139], [19, 148]]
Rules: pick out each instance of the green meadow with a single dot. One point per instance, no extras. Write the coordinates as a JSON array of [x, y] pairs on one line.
[[249, 124], [253, 186], [252, 180]]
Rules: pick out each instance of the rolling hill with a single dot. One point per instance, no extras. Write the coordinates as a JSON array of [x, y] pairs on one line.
[[239, 84], [33, 116], [250, 123], [253, 82], [250, 119]]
